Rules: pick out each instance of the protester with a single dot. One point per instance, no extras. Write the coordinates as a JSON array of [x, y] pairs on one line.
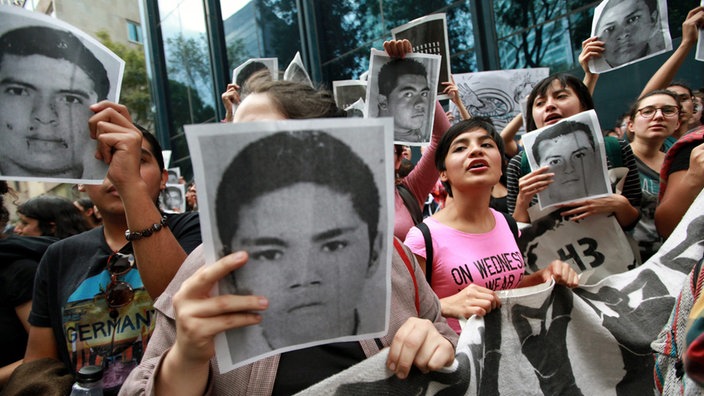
[[43, 220], [653, 118], [191, 197], [89, 211], [181, 359], [48, 78], [49, 215], [469, 159], [664, 76], [89, 287], [682, 179], [552, 99]]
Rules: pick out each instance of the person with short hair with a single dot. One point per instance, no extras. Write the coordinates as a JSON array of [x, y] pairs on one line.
[[468, 233], [48, 80], [93, 294], [89, 211], [404, 95]]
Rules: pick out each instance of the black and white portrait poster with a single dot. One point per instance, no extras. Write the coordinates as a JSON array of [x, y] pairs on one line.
[[311, 201], [174, 175], [50, 74], [428, 35], [632, 30], [573, 149], [172, 198], [348, 92], [550, 340], [243, 72], [405, 89], [296, 71], [496, 94]]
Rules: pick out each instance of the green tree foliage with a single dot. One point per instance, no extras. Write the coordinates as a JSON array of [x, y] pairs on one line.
[[135, 93]]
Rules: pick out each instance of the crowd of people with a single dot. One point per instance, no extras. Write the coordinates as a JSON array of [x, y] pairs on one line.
[[111, 280]]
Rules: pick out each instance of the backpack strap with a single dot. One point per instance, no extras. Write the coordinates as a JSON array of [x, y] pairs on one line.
[[409, 266], [428, 250], [411, 203], [512, 225]]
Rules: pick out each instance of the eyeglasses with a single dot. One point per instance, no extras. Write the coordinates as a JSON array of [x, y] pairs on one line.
[[119, 293], [666, 111]]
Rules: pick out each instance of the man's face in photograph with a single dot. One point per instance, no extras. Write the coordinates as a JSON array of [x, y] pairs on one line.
[[408, 102], [173, 199], [301, 261], [626, 27], [44, 116], [572, 159]]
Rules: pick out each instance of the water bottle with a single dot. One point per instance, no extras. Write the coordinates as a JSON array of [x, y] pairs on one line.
[[89, 382]]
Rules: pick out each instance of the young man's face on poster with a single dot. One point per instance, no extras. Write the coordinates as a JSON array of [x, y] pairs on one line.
[[44, 116], [299, 261], [408, 103], [572, 159], [627, 27]]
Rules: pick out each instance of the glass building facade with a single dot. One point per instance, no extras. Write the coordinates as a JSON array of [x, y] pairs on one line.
[[192, 46]]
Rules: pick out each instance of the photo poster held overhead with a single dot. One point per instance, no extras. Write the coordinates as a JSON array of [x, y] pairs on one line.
[[573, 149], [497, 94], [64, 153], [699, 55], [253, 65], [348, 93], [329, 182], [631, 32], [296, 71], [428, 35], [172, 198], [411, 83], [548, 339]]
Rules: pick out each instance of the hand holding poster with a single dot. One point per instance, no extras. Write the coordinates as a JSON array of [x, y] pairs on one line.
[[50, 74], [428, 35], [572, 149], [404, 88], [310, 201], [632, 30]]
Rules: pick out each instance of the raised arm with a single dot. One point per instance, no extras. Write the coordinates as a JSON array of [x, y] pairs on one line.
[[690, 32], [454, 94], [160, 255], [508, 135], [591, 48]]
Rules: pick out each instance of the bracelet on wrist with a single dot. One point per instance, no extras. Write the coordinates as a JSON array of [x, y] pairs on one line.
[[137, 235]]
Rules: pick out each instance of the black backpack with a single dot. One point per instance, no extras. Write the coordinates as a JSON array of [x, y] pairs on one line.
[[411, 203]]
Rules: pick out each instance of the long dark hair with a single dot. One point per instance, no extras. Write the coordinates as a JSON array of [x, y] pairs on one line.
[[57, 216], [566, 80]]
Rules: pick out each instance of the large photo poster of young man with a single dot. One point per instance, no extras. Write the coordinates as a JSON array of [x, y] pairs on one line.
[[573, 150], [405, 89], [632, 30], [310, 201], [50, 74]]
